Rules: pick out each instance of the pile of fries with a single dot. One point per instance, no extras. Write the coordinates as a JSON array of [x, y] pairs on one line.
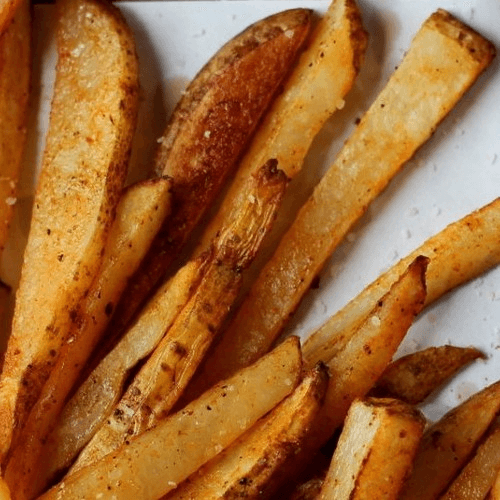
[[145, 363]]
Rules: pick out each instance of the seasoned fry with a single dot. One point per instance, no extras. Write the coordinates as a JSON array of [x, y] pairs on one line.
[[209, 130], [375, 451], [414, 377], [160, 382], [15, 77], [83, 170], [153, 463], [477, 477], [139, 215], [247, 468], [460, 252], [436, 71], [447, 444]]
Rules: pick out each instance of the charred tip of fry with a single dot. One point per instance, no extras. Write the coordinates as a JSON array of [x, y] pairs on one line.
[[270, 172], [358, 35]]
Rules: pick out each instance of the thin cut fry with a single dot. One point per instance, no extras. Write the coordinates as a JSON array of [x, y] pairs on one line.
[[447, 444], [444, 60], [139, 215], [153, 463], [246, 469], [15, 77], [83, 170], [477, 477], [414, 377], [375, 451]]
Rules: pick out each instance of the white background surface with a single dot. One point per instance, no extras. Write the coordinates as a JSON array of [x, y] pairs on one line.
[[457, 171]]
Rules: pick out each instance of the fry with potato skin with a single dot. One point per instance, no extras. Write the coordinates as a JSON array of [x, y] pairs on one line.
[[447, 444], [414, 377], [434, 74], [208, 132], [92, 121], [248, 467], [140, 213], [375, 451], [182, 443]]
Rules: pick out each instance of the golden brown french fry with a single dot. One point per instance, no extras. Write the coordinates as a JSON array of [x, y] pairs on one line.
[[84, 165], [375, 451], [101, 391], [15, 77], [460, 252], [155, 462], [478, 476], [139, 215], [162, 379], [209, 130], [426, 85], [413, 377], [247, 467], [448, 443]]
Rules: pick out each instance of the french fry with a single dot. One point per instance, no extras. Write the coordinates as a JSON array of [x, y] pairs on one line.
[[139, 215], [448, 443], [209, 130], [8, 10], [414, 377], [477, 477], [160, 382], [375, 451], [459, 253], [4, 490], [426, 85], [155, 462], [15, 78], [247, 468], [495, 490]]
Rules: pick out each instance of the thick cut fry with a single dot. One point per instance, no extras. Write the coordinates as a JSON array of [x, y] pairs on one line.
[[247, 468], [375, 451], [153, 463], [459, 253], [84, 166], [101, 391], [447, 444], [477, 477], [15, 77], [209, 131], [139, 215], [160, 382], [413, 377], [443, 61]]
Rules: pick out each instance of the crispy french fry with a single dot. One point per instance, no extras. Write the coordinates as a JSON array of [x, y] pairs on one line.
[[426, 85], [153, 463], [460, 252], [375, 451], [209, 130], [247, 468], [83, 170], [160, 382], [15, 77], [447, 444], [139, 215], [477, 477], [414, 377]]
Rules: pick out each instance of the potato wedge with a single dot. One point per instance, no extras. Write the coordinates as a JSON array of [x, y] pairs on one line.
[[153, 463], [375, 451], [139, 215], [414, 377], [15, 78], [162, 379], [447, 444], [209, 130], [246, 469], [83, 169], [478, 476], [459, 253], [436, 71]]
